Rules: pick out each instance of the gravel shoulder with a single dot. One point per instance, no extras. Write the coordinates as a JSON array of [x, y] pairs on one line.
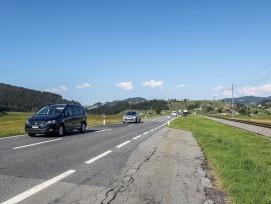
[[166, 168], [253, 128]]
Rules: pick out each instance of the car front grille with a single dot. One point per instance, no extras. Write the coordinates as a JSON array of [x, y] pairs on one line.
[[37, 131], [36, 123]]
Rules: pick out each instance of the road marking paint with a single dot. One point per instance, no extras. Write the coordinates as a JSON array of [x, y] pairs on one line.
[[98, 157], [145, 133], [37, 143], [12, 137], [104, 130], [137, 137], [121, 145], [38, 188], [151, 130], [131, 125]]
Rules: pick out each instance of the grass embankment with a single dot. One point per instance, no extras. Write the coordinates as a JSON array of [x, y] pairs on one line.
[[241, 159]]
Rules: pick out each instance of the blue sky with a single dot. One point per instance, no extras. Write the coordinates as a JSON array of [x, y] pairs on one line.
[[93, 51]]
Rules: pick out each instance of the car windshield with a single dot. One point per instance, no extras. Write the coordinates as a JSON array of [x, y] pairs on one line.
[[51, 110], [131, 113]]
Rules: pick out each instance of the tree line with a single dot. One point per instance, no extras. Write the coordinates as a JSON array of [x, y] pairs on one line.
[[14, 98], [155, 105]]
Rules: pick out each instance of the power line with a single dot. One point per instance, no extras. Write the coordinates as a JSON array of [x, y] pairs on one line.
[[256, 81]]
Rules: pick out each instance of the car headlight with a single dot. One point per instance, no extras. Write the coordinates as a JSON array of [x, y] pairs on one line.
[[49, 122], [27, 122]]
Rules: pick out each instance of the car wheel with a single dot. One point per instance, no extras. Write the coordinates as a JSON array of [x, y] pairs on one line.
[[61, 130], [83, 128], [31, 135]]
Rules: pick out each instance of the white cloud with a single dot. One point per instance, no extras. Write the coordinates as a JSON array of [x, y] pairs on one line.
[[227, 93], [217, 88], [82, 86], [153, 83], [125, 85], [264, 90], [57, 89], [180, 86]]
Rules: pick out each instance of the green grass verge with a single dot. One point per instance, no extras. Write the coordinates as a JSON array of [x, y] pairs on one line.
[[241, 159]]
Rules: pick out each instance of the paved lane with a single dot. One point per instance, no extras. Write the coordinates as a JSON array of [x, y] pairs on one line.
[[95, 158]]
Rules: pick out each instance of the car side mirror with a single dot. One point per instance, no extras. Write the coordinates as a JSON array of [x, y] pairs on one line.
[[67, 114]]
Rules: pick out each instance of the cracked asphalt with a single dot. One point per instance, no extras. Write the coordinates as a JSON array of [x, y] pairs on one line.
[[127, 163], [171, 171]]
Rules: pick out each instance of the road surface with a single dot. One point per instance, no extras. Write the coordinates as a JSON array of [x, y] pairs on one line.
[[102, 166]]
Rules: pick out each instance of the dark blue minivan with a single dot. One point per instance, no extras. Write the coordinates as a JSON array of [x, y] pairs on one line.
[[57, 119]]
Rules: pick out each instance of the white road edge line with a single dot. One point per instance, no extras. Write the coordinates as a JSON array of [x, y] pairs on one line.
[[38, 188], [151, 130], [98, 157], [104, 130], [145, 133], [137, 137], [12, 137], [37, 143], [124, 143]]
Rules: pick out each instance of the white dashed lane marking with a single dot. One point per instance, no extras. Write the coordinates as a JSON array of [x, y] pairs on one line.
[[37, 143], [137, 137], [104, 130], [98, 157], [38, 188], [145, 133], [121, 145]]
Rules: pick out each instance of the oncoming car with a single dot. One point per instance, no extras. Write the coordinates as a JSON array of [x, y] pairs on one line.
[[57, 119], [132, 116], [174, 113]]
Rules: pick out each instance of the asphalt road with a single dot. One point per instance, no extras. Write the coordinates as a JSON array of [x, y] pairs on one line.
[[41, 169]]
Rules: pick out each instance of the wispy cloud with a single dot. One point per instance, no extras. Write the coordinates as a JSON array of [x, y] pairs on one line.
[[125, 85], [83, 86], [218, 88], [153, 83], [180, 86], [57, 89], [263, 90]]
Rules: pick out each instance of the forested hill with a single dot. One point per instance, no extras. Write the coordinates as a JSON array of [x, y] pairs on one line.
[[14, 98], [124, 105]]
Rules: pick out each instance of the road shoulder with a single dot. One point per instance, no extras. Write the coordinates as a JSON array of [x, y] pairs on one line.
[[166, 168]]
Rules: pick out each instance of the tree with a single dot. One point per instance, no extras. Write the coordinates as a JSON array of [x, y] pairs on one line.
[[158, 110]]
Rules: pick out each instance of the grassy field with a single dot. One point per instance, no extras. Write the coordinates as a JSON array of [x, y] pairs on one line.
[[259, 118], [241, 159], [12, 123]]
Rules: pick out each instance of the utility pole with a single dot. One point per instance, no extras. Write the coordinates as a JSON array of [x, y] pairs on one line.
[[232, 102]]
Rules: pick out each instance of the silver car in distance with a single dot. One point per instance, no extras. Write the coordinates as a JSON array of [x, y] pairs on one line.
[[132, 117]]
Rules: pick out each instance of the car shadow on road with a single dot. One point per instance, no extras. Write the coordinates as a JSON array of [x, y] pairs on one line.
[[67, 134]]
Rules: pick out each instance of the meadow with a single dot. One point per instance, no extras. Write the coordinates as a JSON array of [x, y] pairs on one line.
[[240, 159]]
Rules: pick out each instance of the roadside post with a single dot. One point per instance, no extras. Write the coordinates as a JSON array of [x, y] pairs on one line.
[[104, 119], [168, 122]]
